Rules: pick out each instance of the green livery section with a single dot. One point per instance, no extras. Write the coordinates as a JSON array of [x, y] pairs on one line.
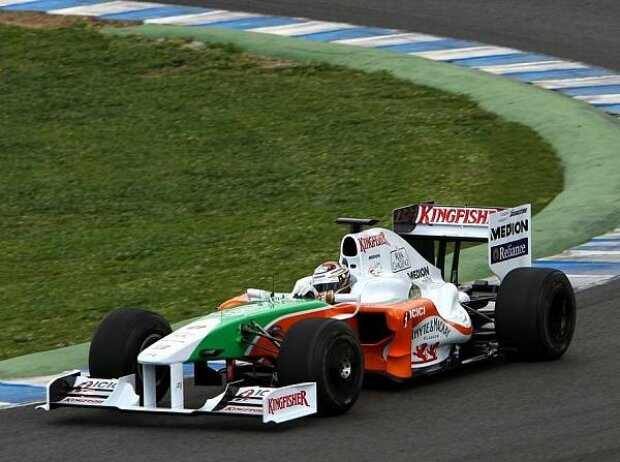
[[227, 339]]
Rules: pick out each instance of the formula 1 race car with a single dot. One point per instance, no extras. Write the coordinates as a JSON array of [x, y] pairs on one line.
[[282, 357]]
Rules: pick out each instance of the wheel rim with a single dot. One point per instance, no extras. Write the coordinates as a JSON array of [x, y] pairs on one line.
[[160, 371], [343, 368], [560, 320]]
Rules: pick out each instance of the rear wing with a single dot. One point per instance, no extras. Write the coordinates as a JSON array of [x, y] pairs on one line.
[[429, 228]]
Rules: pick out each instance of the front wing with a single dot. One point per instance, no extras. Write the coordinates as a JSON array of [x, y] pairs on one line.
[[75, 389]]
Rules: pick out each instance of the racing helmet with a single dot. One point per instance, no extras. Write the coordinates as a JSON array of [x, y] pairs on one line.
[[331, 276]]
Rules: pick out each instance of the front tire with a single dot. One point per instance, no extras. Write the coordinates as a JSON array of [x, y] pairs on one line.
[[535, 314], [118, 340], [328, 352]]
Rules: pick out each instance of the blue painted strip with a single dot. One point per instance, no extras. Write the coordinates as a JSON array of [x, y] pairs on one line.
[[582, 91], [557, 74], [217, 365], [188, 369], [605, 239], [156, 12], [611, 108], [415, 47], [20, 393], [599, 248], [580, 267], [614, 109], [343, 34], [513, 58], [49, 5]]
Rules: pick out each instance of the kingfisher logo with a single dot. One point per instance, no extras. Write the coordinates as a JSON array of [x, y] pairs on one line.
[[438, 214], [370, 242], [504, 252], [286, 401]]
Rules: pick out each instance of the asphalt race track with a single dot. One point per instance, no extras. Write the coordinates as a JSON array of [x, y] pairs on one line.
[[566, 410], [583, 30]]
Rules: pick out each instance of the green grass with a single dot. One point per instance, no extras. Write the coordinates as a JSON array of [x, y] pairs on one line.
[[152, 174]]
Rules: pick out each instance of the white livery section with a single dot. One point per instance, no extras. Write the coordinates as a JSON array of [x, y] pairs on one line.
[[384, 266], [179, 345], [272, 404]]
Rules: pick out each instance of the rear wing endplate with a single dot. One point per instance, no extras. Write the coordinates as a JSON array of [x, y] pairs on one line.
[[510, 239]]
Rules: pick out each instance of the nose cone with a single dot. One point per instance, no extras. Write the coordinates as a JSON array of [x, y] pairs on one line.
[[178, 346]]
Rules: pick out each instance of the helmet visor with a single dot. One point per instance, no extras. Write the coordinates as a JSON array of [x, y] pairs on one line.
[[326, 286]]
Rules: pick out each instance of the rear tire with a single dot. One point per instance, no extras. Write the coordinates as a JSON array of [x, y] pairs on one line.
[[118, 340], [535, 314], [328, 352]]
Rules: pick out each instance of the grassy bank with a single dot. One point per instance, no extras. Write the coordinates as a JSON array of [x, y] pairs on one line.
[[173, 176]]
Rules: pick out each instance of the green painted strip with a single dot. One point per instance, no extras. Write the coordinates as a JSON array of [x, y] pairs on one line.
[[585, 139], [226, 336], [46, 362]]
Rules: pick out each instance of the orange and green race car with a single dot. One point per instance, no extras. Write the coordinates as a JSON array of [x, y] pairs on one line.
[[383, 307]]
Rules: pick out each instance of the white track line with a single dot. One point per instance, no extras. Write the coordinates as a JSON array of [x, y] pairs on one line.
[[584, 281], [600, 99], [181, 20], [531, 67], [594, 257], [105, 8], [595, 253], [464, 53], [555, 84], [201, 18], [386, 40], [13, 2], [613, 245], [310, 27]]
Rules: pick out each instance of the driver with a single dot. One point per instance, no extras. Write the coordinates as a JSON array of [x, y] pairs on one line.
[[328, 279]]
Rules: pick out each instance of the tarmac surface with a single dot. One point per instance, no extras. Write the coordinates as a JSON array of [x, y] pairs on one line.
[[582, 30], [565, 410]]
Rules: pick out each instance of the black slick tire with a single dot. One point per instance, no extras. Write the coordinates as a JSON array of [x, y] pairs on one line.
[[535, 314], [118, 340], [328, 352]]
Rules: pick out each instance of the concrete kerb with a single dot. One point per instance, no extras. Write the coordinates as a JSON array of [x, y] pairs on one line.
[[585, 139]]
